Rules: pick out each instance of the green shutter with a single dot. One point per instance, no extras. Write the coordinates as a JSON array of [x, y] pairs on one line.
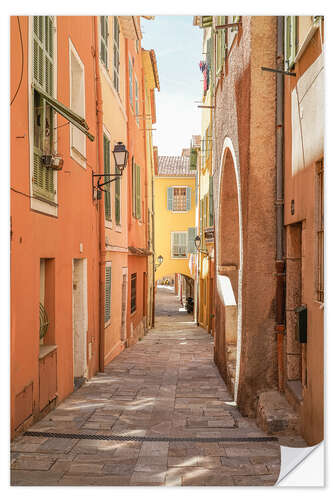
[[107, 301], [191, 233], [104, 39], [188, 198], [170, 198], [116, 53], [107, 193], [193, 159], [220, 45]]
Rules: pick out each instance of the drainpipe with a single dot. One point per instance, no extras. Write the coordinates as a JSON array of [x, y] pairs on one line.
[[153, 241], [280, 261], [99, 115]]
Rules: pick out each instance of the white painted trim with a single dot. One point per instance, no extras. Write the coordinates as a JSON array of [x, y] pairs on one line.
[[36, 204], [228, 145], [78, 156]]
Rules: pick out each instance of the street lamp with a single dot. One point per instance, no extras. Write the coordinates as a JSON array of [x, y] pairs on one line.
[[120, 155], [197, 242], [159, 261]]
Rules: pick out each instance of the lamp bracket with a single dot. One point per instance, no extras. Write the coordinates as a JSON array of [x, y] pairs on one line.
[[100, 177]]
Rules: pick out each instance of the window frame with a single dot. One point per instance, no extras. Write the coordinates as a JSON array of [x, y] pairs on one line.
[[173, 196], [77, 155], [104, 41], [184, 233], [133, 296], [40, 200]]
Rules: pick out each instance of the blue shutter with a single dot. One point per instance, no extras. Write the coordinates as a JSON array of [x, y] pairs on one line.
[[190, 240], [170, 198], [188, 198]]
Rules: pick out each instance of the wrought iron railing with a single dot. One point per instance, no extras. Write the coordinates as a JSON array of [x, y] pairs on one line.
[[43, 321]]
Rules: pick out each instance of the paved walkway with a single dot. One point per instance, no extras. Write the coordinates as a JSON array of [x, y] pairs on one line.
[[165, 386]]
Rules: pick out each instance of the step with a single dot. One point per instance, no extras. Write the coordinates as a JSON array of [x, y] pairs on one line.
[[275, 415]]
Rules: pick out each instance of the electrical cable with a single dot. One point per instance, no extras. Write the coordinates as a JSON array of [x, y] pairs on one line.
[[22, 52]]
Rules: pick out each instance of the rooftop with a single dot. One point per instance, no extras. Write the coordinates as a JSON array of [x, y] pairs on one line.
[[175, 166]]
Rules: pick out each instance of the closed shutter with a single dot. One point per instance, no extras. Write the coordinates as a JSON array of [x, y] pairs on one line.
[[107, 305], [107, 193], [290, 41], [104, 39], [211, 202], [116, 53], [206, 21], [191, 231], [170, 198], [193, 159], [130, 76], [188, 198]]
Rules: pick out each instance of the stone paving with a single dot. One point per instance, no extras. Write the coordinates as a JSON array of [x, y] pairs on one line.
[[164, 386]]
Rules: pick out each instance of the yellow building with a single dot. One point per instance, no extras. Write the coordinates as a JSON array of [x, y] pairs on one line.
[[174, 201], [151, 82]]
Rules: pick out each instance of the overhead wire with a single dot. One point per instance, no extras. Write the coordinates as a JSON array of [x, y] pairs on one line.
[[22, 58]]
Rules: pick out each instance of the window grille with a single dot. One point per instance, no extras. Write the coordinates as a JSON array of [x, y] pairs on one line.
[[43, 321]]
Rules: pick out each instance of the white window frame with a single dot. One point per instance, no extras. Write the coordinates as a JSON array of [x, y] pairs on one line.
[[171, 243], [75, 153], [42, 206]]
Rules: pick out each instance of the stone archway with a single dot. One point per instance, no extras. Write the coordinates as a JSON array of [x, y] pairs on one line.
[[229, 269]]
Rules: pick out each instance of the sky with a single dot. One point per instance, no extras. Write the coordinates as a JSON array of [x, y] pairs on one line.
[[178, 48]]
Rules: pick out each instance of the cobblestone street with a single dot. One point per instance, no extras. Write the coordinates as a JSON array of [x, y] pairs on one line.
[[165, 386]]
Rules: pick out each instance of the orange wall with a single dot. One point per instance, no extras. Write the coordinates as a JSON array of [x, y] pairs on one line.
[[36, 235]]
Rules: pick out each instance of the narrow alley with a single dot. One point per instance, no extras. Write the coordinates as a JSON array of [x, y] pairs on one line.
[[166, 402]]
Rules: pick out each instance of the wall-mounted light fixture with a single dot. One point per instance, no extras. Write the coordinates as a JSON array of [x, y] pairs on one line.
[[197, 242], [159, 262], [120, 155]]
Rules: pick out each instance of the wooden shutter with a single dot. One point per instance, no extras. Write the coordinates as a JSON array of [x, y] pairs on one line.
[[107, 193], [193, 159], [188, 198], [130, 76], [206, 21], [116, 53], [174, 244], [220, 45], [191, 233], [170, 198], [290, 41], [107, 305], [104, 39]]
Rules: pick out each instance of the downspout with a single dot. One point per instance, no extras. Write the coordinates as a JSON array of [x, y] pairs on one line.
[[99, 116], [280, 261], [143, 94]]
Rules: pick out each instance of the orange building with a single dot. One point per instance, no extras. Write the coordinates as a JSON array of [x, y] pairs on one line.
[[54, 218]]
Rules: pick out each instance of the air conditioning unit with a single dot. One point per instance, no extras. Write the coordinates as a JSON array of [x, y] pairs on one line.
[[53, 161]]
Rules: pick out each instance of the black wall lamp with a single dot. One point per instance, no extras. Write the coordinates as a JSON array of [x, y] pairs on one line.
[[159, 262], [120, 155], [197, 242]]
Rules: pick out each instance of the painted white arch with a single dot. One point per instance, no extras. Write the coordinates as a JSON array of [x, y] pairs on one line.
[[228, 145]]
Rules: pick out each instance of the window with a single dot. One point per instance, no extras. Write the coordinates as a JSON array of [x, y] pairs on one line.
[[107, 193], [116, 53], [77, 104], [104, 39], [191, 233], [179, 198], [136, 101], [107, 298], [320, 231], [130, 77], [136, 190], [133, 292], [179, 244], [290, 41], [43, 179]]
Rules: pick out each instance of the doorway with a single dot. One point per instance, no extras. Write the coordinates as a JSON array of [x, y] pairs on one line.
[[80, 321]]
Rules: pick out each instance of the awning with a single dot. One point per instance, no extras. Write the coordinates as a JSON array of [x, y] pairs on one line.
[[66, 112], [142, 252]]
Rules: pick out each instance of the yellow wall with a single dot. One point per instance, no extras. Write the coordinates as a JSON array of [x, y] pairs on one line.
[[167, 221]]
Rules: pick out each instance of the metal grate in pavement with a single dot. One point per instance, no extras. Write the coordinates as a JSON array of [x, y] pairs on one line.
[[122, 437]]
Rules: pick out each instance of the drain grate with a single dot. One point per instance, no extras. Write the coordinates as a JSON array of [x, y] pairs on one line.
[[122, 437]]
